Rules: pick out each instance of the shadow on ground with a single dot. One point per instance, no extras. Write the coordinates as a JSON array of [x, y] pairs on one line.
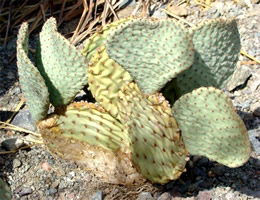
[[206, 175]]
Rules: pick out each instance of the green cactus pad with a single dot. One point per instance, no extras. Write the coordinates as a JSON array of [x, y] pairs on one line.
[[90, 123], [211, 127], [157, 149], [32, 83], [105, 78], [64, 67], [153, 52], [99, 37], [5, 192], [217, 47], [88, 135]]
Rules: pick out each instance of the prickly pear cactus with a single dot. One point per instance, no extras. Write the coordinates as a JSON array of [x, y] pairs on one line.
[[211, 127], [63, 67], [153, 52], [156, 145], [5, 193], [131, 133], [32, 83], [217, 46]]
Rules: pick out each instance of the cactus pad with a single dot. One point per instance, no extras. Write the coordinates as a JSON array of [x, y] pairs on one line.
[[98, 38], [157, 149], [32, 83], [211, 127], [64, 67], [217, 47], [105, 78], [5, 192], [85, 133], [153, 52]]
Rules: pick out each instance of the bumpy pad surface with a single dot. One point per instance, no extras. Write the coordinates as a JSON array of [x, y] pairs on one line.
[[97, 39], [153, 52], [5, 192], [217, 47], [105, 78], [85, 133], [157, 149], [211, 127], [31, 81], [64, 67]]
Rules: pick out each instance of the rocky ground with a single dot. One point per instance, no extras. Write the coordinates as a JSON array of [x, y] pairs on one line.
[[33, 173]]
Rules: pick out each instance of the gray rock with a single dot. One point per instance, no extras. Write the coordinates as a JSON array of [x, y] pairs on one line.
[[159, 14], [25, 191], [165, 196], [52, 191], [16, 163], [97, 196], [145, 196], [24, 120], [241, 74], [13, 144], [126, 3], [254, 139]]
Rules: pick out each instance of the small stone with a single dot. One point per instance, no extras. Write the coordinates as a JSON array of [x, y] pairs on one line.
[[255, 1], [230, 196], [72, 174], [165, 196], [257, 163], [203, 161], [16, 163], [145, 196], [13, 144], [255, 108], [52, 191], [97, 196], [87, 178], [25, 191], [70, 196], [218, 170], [200, 171], [126, 3], [24, 120], [240, 76], [45, 166], [244, 178], [205, 195], [10, 75], [159, 14], [62, 184], [55, 184], [254, 139], [178, 10]]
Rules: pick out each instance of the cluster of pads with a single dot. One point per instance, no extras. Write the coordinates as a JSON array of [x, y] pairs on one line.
[[131, 132]]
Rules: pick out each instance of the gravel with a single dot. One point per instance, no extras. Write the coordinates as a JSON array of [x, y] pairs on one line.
[[33, 173]]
